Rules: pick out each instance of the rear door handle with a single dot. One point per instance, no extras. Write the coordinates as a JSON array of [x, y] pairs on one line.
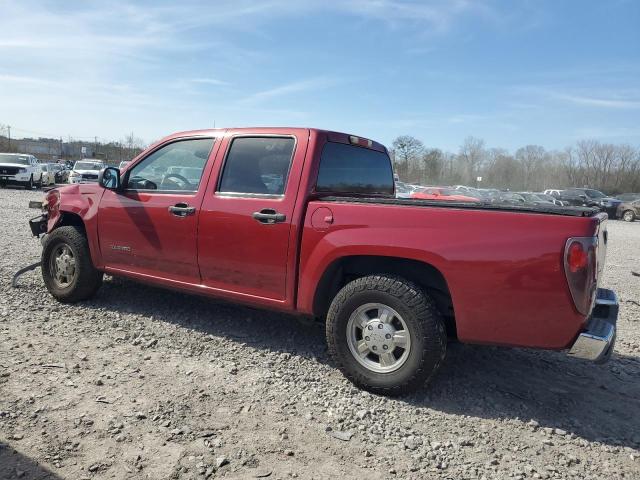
[[269, 216], [182, 210]]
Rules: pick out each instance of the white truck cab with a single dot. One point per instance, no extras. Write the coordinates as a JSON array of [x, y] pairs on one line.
[[20, 169], [86, 170]]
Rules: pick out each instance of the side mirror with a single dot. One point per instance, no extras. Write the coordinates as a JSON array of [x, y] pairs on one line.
[[109, 178]]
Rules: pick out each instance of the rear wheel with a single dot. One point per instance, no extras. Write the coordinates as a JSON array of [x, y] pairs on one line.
[[385, 334], [628, 216], [67, 269]]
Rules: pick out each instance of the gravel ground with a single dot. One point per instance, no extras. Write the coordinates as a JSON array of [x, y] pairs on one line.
[[145, 383]]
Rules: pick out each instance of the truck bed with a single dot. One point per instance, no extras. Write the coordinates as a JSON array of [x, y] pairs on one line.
[[502, 264]]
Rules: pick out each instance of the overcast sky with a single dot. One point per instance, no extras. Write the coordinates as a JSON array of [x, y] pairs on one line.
[[511, 72]]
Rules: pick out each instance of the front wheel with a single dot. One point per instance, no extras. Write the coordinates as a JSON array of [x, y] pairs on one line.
[[67, 270], [386, 334], [29, 185], [628, 216]]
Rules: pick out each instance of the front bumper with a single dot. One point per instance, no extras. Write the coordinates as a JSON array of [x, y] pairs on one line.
[[38, 225], [82, 179], [596, 342], [15, 179]]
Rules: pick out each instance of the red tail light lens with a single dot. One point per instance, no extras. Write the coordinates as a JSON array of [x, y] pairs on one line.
[[581, 270], [577, 258]]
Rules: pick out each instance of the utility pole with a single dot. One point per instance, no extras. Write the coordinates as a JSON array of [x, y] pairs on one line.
[[95, 147], [9, 135]]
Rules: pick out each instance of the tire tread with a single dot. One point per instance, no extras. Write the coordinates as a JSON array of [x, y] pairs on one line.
[[89, 278], [411, 295]]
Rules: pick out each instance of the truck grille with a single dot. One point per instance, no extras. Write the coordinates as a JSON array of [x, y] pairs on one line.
[[89, 176], [9, 170]]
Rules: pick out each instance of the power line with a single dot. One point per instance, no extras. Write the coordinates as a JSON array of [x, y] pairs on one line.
[[49, 135]]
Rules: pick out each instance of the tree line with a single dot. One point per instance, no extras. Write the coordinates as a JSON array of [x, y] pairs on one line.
[[608, 167]]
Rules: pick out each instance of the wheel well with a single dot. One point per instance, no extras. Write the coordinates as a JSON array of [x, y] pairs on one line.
[[347, 269], [71, 219]]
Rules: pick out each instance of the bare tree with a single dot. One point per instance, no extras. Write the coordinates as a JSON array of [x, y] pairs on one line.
[[132, 146], [432, 164], [472, 155], [407, 151], [531, 158]]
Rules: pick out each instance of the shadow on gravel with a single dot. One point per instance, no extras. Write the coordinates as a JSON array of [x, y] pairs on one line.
[[14, 465], [596, 402]]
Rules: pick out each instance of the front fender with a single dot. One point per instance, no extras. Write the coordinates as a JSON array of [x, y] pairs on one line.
[[76, 205]]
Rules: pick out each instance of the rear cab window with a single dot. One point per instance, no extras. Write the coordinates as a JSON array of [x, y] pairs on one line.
[[354, 169]]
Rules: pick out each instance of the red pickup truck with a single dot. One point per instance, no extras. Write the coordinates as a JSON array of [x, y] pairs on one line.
[[306, 221]]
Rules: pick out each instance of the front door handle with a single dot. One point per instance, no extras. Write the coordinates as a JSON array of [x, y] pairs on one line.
[[182, 210], [269, 216]]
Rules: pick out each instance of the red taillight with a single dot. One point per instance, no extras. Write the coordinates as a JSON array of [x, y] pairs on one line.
[[580, 267], [577, 258]]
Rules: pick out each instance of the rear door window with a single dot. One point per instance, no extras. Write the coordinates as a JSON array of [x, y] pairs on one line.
[[352, 169], [257, 166]]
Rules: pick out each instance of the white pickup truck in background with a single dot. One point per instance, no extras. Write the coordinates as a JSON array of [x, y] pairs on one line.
[[20, 169], [86, 170]]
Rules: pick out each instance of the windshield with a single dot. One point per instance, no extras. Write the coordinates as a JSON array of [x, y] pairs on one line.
[[594, 194], [87, 166], [14, 159]]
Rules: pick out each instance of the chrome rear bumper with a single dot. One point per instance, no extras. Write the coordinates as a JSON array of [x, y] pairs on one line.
[[596, 342]]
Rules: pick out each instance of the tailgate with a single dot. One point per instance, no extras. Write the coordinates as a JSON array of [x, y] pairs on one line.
[[601, 246]]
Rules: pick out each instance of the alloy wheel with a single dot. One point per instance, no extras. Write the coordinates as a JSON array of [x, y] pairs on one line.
[[378, 337]]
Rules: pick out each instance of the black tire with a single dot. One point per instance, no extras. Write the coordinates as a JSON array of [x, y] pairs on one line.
[[85, 280], [29, 185], [628, 216], [422, 319]]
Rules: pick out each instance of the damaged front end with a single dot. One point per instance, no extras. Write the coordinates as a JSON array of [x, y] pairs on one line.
[[38, 227], [38, 224], [49, 207]]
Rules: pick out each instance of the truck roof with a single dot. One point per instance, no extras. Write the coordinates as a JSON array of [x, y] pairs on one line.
[[331, 135]]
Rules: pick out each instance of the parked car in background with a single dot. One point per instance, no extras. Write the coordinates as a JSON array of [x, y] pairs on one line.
[[489, 194], [20, 169], [48, 174], [551, 198], [554, 192], [403, 190], [629, 211], [512, 198], [535, 199], [85, 170], [123, 164], [628, 197], [589, 197], [442, 193], [61, 172]]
